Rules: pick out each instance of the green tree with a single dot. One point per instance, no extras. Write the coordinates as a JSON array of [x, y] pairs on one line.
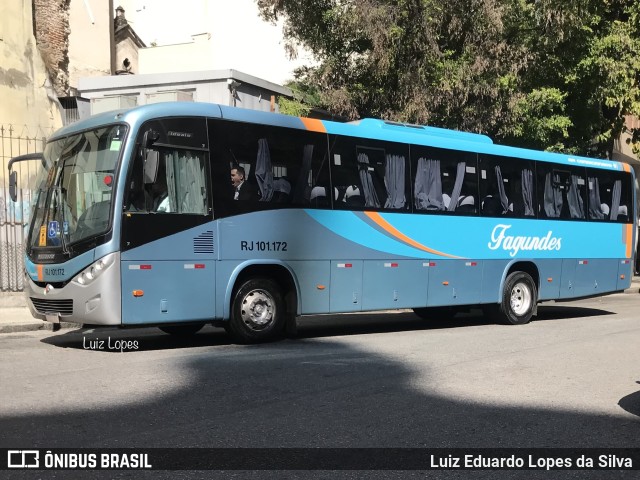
[[537, 73]]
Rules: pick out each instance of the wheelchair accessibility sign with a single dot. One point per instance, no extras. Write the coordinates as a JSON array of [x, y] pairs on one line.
[[54, 229]]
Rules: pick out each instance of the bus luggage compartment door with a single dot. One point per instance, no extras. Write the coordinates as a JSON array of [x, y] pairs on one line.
[[455, 282], [595, 276], [389, 284], [346, 286]]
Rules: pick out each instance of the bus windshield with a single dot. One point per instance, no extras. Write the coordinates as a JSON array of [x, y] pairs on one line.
[[74, 190]]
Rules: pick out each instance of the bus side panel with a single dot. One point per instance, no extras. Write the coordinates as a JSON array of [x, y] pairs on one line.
[[314, 280], [174, 274], [346, 286], [625, 274], [595, 276], [550, 272], [454, 282], [167, 291], [567, 285], [224, 282], [492, 273], [390, 284]]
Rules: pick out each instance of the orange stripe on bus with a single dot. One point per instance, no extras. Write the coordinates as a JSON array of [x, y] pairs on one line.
[[626, 167], [40, 274], [313, 124], [627, 232], [386, 226]]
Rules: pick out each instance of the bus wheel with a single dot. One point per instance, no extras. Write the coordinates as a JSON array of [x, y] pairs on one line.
[[435, 313], [519, 299], [257, 312], [182, 330]]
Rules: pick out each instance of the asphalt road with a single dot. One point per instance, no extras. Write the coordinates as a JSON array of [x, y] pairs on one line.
[[569, 379]]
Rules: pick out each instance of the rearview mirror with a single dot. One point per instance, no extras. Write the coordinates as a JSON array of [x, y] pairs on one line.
[[150, 137], [13, 186], [13, 176]]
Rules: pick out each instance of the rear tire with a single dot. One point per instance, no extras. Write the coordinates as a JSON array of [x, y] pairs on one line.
[[519, 299], [435, 313], [257, 312], [182, 330]]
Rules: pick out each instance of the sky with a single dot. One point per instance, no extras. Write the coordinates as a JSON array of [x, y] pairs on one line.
[[251, 45]]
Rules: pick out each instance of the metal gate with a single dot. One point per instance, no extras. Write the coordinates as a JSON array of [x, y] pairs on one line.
[[15, 216]]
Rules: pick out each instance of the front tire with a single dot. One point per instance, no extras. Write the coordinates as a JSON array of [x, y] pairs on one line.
[[519, 299], [257, 312]]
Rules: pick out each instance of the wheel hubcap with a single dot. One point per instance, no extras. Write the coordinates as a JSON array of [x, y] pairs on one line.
[[258, 310], [520, 299]]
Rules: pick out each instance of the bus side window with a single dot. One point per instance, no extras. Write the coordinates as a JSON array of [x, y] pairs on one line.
[[551, 193], [576, 195], [506, 187], [180, 185], [609, 197], [445, 181], [562, 192], [282, 166], [368, 174]]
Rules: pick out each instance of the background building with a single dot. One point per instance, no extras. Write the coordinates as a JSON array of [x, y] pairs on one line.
[[237, 37], [226, 87]]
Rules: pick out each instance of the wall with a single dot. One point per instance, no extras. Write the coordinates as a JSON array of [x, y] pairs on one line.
[[52, 37], [193, 56], [89, 39], [23, 76]]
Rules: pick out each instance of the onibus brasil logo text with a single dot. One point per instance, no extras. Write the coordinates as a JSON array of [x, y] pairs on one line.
[[514, 244]]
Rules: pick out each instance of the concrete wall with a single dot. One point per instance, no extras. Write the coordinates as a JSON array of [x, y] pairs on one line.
[[89, 39], [193, 56], [23, 76]]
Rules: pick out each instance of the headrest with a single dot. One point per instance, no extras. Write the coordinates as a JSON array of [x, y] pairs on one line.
[[351, 191], [281, 185], [318, 192], [468, 200]]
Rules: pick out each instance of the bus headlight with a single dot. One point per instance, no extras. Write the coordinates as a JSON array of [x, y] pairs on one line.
[[92, 272]]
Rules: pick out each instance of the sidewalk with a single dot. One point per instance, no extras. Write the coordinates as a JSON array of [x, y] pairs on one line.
[[15, 316]]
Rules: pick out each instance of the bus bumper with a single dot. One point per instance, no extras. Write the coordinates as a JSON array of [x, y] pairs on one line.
[[95, 303]]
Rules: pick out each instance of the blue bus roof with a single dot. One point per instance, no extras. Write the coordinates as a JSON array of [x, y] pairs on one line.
[[366, 128]]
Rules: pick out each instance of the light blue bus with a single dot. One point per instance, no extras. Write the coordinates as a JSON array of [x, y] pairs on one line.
[[139, 221]]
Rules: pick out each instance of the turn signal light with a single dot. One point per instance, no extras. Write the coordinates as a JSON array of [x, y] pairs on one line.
[[138, 293]]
